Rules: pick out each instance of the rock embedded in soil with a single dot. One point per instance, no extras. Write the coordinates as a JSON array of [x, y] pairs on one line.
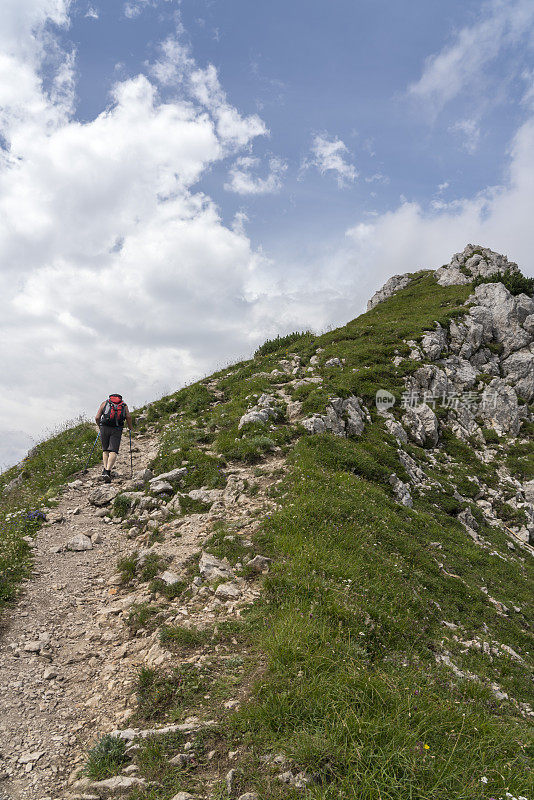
[[169, 577], [161, 487], [79, 543], [172, 476], [259, 563], [228, 591], [118, 786], [212, 568], [103, 495]]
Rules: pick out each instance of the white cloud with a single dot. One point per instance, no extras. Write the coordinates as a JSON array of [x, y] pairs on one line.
[[410, 237], [176, 67], [92, 13], [132, 8], [243, 181], [14, 446], [460, 65], [469, 132], [114, 268], [378, 177], [330, 155]]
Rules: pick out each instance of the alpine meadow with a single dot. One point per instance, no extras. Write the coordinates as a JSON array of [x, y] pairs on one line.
[[317, 582]]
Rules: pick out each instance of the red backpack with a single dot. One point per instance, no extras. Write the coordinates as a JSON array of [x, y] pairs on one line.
[[114, 412]]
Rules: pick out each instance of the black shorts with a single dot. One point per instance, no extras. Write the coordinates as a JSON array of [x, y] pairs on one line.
[[111, 438]]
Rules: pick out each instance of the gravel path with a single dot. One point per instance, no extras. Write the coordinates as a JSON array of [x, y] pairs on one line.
[[68, 662], [63, 668]]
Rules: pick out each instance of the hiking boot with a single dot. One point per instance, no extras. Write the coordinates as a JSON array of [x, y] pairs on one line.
[[106, 476]]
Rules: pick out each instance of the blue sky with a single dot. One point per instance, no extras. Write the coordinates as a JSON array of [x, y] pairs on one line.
[[181, 180], [340, 68]]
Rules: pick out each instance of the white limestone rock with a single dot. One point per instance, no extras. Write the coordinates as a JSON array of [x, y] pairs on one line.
[[499, 408], [173, 476], [161, 487], [472, 262], [119, 785], [79, 543], [212, 568], [103, 495], [228, 591], [402, 491], [422, 425], [394, 284], [434, 343]]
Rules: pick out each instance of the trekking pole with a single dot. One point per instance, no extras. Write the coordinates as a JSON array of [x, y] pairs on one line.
[[91, 453], [131, 457]]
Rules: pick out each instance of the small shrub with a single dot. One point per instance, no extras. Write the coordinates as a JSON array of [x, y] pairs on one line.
[[515, 282], [490, 436], [153, 413], [495, 347], [446, 502], [249, 449], [169, 590], [467, 487], [190, 506], [121, 505], [127, 567], [506, 512], [152, 564], [106, 758], [520, 461], [142, 615], [282, 342]]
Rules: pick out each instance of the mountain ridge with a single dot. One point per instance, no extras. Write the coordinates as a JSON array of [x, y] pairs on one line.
[[366, 570]]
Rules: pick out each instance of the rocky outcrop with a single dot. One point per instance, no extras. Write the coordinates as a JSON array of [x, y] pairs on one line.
[[13, 484], [264, 410], [434, 343], [492, 339], [499, 408], [422, 425], [500, 317], [474, 261], [401, 490], [212, 568], [393, 285], [342, 418]]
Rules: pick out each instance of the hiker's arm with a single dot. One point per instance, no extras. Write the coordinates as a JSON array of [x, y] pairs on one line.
[[99, 413], [129, 418]]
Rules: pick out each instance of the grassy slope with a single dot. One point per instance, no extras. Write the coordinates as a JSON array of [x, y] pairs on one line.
[[352, 615], [51, 464]]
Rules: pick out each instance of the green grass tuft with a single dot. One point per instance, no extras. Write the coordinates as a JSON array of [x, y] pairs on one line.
[[106, 758]]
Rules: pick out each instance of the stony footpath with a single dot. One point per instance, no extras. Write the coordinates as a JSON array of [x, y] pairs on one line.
[[58, 656], [67, 660]]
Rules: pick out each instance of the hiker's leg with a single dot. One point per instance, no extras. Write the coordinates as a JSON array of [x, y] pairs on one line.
[[104, 438], [114, 445]]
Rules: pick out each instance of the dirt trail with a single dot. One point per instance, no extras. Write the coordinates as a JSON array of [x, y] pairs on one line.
[[68, 662], [54, 702]]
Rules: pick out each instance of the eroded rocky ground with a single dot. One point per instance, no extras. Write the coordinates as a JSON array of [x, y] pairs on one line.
[[68, 662]]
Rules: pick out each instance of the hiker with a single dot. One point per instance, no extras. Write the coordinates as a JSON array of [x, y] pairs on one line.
[[110, 418]]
